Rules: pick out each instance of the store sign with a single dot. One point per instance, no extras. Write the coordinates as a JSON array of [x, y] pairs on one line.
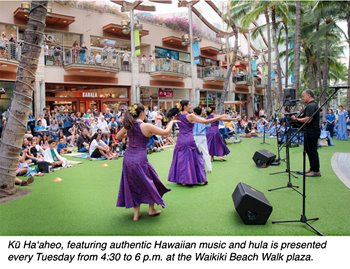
[[165, 93], [89, 94]]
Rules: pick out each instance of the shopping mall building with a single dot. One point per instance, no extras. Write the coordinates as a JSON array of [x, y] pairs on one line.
[[85, 63]]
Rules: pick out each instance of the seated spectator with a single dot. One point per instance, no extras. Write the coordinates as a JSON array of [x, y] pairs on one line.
[[53, 157], [73, 135], [39, 128], [36, 150], [54, 129], [62, 147], [83, 141], [98, 148]]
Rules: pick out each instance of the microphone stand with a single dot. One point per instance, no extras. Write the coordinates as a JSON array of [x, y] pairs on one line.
[[303, 218], [264, 133], [289, 183]]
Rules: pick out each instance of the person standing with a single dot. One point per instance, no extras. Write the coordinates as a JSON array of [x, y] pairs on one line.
[[330, 122], [187, 167], [199, 135], [312, 131], [216, 143], [140, 183], [341, 130]]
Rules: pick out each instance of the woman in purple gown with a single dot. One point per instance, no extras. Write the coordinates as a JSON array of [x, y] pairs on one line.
[[216, 143], [140, 183], [187, 167]]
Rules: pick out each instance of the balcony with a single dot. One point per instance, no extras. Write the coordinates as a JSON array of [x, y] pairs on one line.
[[241, 79], [9, 60], [165, 69], [174, 42], [116, 30], [210, 51], [52, 19], [85, 62], [259, 83]]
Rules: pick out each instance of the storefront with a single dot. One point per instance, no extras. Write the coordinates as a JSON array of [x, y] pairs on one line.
[[241, 106], [163, 98], [84, 97]]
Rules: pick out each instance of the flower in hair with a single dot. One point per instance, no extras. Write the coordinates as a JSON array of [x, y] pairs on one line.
[[132, 110]]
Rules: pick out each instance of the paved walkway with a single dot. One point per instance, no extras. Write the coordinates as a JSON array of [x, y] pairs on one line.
[[341, 167]]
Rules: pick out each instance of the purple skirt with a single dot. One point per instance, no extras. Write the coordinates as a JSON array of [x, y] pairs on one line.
[[216, 144], [187, 166], [139, 183]]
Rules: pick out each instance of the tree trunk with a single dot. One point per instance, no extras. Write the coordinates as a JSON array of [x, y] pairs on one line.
[[287, 56], [268, 88], [323, 95], [297, 45], [12, 136], [277, 54], [229, 70], [318, 71]]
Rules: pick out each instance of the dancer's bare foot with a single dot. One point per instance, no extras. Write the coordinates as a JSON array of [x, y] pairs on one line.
[[136, 217], [137, 214], [153, 212]]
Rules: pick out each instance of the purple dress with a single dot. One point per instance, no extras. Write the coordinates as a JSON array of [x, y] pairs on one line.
[[139, 183], [187, 167], [216, 143]]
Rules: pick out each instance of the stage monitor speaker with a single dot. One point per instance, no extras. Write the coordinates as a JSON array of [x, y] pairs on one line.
[[263, 158], [290, 94], [251, 205]]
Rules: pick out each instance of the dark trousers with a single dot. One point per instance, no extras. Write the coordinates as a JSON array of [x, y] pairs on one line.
[[330, 128], [311, 143]]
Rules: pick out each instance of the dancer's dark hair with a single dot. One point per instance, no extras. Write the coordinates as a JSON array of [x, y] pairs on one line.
[[176, 110], [132, 114]]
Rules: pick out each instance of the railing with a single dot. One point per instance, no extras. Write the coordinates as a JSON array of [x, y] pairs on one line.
[[108, 58], [240, 79], [211, 72], [10, 50], [166, 65]]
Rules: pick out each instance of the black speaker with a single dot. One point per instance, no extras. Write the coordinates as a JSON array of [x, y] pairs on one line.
[[263, 158], [251, 204], [290, 94]]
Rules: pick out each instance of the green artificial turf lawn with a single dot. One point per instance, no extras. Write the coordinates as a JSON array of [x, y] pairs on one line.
[[83, 203]]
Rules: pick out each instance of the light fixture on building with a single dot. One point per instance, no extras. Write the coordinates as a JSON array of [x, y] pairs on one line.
[[25, 5], [185, 40], [126, 27]]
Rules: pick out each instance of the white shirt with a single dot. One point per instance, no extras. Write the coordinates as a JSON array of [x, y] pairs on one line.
[[103, 125], [153, 115], [94, 145]]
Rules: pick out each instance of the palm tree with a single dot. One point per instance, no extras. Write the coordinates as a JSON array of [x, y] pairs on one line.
[[14, 131], [297, 44]]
